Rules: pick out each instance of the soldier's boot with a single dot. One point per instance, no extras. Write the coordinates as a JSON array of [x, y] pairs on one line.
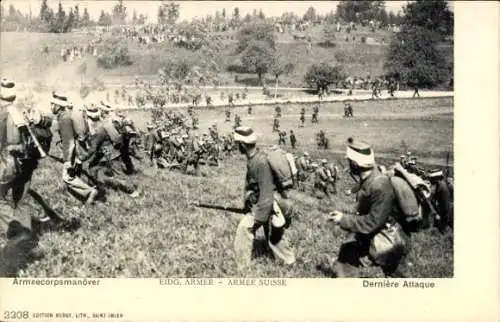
[[18, 252]]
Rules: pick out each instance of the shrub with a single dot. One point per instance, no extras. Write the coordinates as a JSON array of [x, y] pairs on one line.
[[114, 54]]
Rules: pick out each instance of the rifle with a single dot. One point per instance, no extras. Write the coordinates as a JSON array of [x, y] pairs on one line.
[[21, 121], [217, 207]]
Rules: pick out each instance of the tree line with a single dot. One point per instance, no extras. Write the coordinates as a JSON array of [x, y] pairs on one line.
[[62, 20]]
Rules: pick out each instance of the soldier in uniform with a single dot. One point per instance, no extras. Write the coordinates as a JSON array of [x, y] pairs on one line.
[[228, 115], [282, 138], [214, 133], [302, 120], [277, 110], [18, 160], [377, 213], [249, 109], [237, 121], [193, 152], [323, 178], [106, 149], [303, 164], [314, 118], [293, 139], [268, 207], [72, 144], [276, 125], [441, 198]]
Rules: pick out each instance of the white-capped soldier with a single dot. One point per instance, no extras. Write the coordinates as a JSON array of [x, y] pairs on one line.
[[72, 127], [377, 212]]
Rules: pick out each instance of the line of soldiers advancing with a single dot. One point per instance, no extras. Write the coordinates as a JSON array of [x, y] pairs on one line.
[[96, 155]]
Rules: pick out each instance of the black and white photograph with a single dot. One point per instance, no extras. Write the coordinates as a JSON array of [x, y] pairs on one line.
[[222, 139]]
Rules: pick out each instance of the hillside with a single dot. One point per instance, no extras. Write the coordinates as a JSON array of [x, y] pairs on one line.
[[24, 59]]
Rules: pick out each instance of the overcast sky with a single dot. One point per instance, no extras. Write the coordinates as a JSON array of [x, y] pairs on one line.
[[190, 9]]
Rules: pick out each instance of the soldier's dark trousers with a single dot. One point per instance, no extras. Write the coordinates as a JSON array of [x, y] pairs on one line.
[[112, 178], [354, 254], [15, 225], [195, 162]]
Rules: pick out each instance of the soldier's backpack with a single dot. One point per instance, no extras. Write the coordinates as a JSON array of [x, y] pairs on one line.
[[411, 194], [283, 168]]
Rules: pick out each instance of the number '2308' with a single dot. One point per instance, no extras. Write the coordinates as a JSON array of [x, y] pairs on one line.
[[15, 315]]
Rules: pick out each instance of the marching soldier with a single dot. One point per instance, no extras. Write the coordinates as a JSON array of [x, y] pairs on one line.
[[442, 198], [377, 213], [237, 121], [73, 130], [282, 138], [268, 207], [276, 125], [277, 110], [195, 122], [302, 120], [193, 154], [214, 133], [314, 118], [293, 139]]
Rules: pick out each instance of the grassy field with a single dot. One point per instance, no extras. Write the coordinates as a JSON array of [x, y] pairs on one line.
[[160, 234]]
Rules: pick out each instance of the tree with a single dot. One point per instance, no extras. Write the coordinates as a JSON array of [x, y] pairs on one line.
[[134, 17], [310, 14], [76, 17], [329, 32], [257, 57], [278, 67], [43, 11], [392, 19], [321, 75], [69, 21], [85, 18], [60, 19], [141, 20], [259, 31], [104, 19], [358, 11], [383, 18], [168, 13], [119, 13], [236, 14], [261, 15], [431, 15], [413, 58]]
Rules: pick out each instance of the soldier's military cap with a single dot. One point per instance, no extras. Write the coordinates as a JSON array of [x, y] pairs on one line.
[[92, 111], [306, 154], [323, 161], [7, 91], [245, 134], [60, 100], [435, 173], [361, 153]]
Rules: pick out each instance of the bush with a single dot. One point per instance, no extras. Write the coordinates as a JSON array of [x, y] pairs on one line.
[[321, 75], [114, 54]]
